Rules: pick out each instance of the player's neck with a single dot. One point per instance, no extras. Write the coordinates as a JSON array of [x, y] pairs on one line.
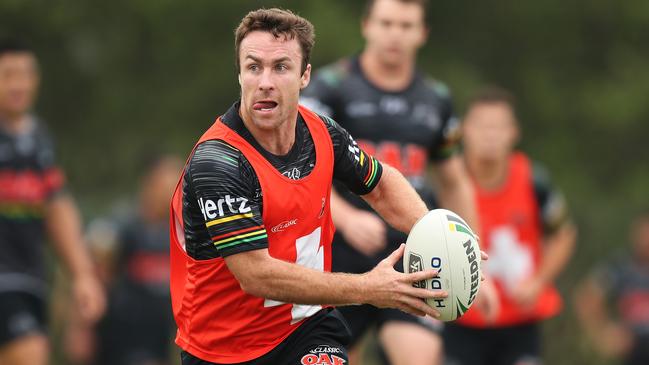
[[14, 123], [385, 76], [277, 141], [488, 174]]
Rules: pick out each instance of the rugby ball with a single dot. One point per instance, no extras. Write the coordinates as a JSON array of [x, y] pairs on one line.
[[442, 240]]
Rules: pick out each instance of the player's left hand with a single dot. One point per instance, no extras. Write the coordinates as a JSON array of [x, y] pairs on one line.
[[90, 297], [527, 292]]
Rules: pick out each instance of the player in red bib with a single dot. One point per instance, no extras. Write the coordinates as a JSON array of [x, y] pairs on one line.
[[251, 227], [526, 231]]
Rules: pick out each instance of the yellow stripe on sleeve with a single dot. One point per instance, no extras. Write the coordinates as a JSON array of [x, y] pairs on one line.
[[239, 237], [228, 219]]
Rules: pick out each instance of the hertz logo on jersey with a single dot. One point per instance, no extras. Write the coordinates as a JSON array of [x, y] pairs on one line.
[[223, 206]]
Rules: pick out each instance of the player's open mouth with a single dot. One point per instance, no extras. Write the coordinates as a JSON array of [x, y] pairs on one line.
[[264, 105]]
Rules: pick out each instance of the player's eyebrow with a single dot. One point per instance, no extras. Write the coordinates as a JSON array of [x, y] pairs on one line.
[[278, 60]]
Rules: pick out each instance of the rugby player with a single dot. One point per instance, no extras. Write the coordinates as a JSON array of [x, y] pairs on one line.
[[405, 119], [34, 207], [138, 327], [526, 230], [251, 226], [612, 303]]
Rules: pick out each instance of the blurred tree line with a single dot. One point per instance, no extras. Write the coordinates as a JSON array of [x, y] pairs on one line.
[[126, 79]]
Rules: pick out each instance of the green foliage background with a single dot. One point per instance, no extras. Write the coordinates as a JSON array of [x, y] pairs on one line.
[[126, 77]]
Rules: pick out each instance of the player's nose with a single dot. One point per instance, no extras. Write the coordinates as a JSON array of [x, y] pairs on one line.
[[266, 80]]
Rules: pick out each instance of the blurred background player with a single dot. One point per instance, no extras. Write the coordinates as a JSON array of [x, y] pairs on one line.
[[138, 327], [34, 206], [405, 120], [614, 301], [526, 232]]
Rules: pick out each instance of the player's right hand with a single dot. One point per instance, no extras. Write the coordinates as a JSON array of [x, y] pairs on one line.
[[364, 231], [90, 297], [388, 288]]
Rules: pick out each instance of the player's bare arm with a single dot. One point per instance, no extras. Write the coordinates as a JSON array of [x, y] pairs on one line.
[[557, 250], [264, 276], [364, 230], [455, 190], [396, 201], [64, 226]]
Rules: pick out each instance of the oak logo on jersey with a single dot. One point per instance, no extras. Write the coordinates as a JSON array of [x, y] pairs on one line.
[[223, 206], [322, 359]]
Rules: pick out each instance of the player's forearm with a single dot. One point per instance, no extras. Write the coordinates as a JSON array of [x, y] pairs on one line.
[[456, 192], [591, 312], [64, 227], [266, 277], [396, 201], [557, 252]]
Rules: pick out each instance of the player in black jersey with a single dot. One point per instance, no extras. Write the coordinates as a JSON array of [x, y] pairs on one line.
[[138, 326], [33, 206], [405, 120], [612, 304]]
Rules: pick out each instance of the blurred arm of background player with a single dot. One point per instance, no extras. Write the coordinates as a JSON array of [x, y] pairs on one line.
[[64, 227], [455, 191], [557, 250], [610, 337], [362, 229]]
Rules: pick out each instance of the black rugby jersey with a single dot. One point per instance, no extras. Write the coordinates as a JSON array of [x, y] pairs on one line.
[[220, 174], [29, 178], [405, 129], [143, 256]]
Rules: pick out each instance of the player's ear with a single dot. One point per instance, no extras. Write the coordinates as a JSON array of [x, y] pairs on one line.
[[306, 77], [239, 77], [517, 133], [364, 25]]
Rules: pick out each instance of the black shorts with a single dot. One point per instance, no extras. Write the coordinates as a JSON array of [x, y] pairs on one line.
[[515, 345], [21, 314], [138, 327], [320, 340], [347, 259]]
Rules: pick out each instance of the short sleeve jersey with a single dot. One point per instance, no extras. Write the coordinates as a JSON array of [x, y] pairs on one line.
[[405, 129], [29, 178], [220, 182]]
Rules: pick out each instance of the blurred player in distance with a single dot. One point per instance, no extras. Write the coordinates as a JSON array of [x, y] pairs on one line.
[[405, 120], [251, 226], [138, 327], [34, 207], [525, 229], [612, 304]]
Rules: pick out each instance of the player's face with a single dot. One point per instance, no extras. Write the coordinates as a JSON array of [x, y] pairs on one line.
[[157, 187], [394, 31], [270, 79], [18, 82], [490, 131]]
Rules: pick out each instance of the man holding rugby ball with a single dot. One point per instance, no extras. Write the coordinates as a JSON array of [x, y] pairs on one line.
[[251, 227]]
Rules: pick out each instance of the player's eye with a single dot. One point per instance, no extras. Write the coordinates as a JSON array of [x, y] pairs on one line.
[[281, 67], [253, 67], [407, 26]]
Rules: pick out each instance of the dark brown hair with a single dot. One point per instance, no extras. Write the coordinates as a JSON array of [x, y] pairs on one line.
[[280, 23], [369, 4], [493, 94]]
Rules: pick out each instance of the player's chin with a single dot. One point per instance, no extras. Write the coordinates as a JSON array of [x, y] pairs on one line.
[[266, 122]]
